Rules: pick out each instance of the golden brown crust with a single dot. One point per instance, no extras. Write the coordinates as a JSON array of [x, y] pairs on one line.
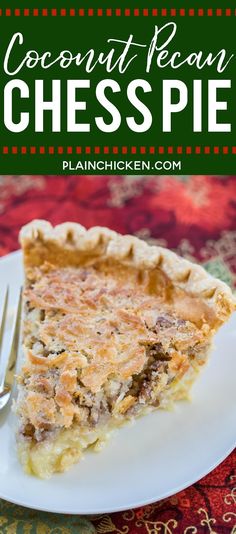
[[71, 244], [112, 326], [102, 309]]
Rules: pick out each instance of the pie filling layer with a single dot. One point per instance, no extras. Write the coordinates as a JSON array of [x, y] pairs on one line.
[[103, 343]]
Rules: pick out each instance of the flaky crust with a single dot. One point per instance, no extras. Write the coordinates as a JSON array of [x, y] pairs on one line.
[[68, 242]]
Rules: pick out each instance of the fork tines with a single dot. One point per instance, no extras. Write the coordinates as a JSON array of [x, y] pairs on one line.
[[7, 375]]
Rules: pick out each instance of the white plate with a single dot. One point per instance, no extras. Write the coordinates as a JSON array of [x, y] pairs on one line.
[[159, 455]]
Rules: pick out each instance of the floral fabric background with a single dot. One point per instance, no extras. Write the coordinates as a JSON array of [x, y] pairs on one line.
[[196, 216]]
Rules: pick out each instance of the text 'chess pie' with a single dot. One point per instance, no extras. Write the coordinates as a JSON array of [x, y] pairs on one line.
[[112, 328]]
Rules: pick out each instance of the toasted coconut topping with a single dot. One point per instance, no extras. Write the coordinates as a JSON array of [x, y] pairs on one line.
[[110, 323]]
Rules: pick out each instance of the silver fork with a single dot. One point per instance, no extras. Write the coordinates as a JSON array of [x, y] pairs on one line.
[[7, 377]]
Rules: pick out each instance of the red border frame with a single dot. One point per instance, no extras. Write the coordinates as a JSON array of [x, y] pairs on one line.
[[188, 150], [108, 12]]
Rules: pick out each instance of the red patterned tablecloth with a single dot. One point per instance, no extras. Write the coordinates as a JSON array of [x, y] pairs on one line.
[[196, 215]]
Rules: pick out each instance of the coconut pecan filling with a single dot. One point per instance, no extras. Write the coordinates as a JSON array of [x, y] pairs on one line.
[[100, 347], [113, 328]]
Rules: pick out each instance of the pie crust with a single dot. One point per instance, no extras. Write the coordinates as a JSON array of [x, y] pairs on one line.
[[113, 328]]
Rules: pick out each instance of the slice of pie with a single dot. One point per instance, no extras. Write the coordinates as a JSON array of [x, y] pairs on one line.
[[112, 328]]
